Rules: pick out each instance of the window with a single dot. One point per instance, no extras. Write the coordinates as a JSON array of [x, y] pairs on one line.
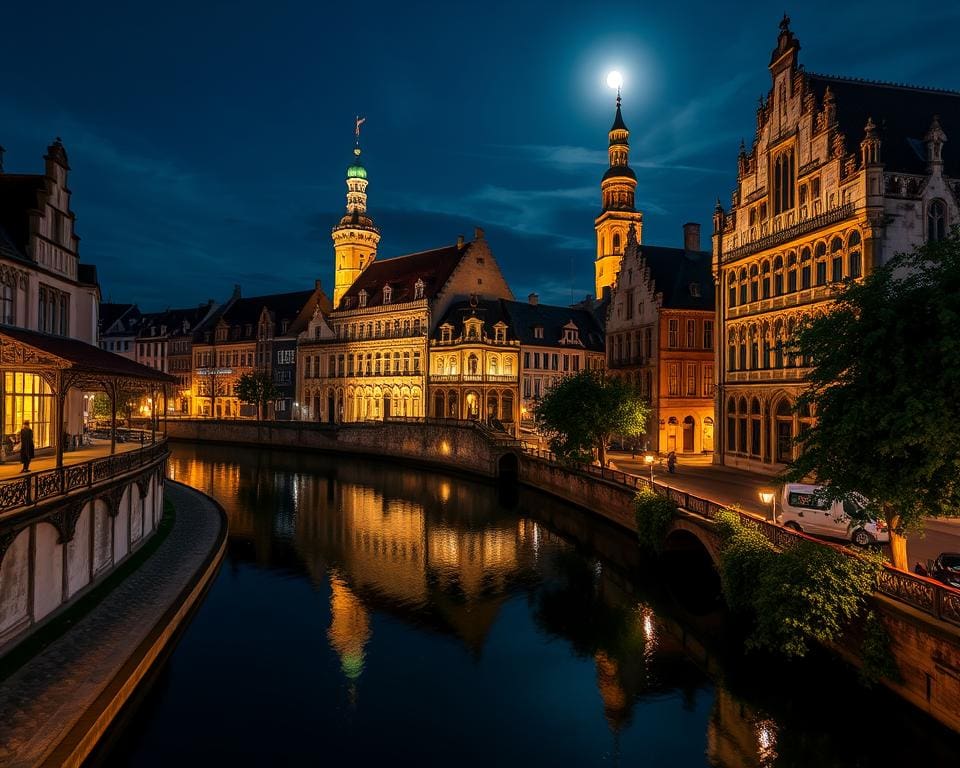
[[536, 359], [743, 286], [853, 246], [418, 289], [805, 269], [616, 243], [691, 379], [673, 338], [286, 356], [754, 284], [783, 187], [936, 221], [387, 294], [691, 333], [708, 380], [778, 276], [708, 334], [555, 359], [673, 387], [526, 359], [647, 343], [732, 289], [538, 331], [791, 273], [765, 280]]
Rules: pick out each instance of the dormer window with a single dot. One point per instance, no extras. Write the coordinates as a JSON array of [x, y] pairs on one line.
[[500, 331], [387, 294], [473, 329], [163, 330], [362, 296], [418, 289], [571, 335], [446, 333], [538, 331], [222, 333], [346, 302], [284, 325], [695, 290]]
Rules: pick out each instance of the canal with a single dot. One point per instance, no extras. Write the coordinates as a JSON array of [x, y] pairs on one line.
[[370, 614]]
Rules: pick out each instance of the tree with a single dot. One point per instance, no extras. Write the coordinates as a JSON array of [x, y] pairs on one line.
[[884, 389], [581, 412], [256, 389]]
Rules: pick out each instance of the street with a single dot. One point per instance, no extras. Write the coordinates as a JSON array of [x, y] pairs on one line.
[[735, 486]]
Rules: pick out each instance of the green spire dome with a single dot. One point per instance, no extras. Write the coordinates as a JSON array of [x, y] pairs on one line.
[[356, 170]]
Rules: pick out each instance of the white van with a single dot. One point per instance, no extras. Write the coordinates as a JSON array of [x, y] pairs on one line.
[[802, 509]]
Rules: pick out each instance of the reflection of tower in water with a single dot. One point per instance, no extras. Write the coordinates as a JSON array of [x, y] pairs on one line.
[[349, 630]]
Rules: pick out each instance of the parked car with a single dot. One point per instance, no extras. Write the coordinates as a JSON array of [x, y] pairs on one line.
[[945, 569], [804, 509]]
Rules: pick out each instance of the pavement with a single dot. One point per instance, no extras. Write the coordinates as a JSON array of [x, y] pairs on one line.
[[42, 701], [699, 476], [12, 466]]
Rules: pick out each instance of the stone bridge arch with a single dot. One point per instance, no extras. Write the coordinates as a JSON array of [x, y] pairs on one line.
[[686, 535]]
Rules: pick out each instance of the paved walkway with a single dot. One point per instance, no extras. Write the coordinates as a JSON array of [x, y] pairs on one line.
[[42, 701], [12, 466]]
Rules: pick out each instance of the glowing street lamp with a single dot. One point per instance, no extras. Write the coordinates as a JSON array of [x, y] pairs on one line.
[[770, 497], [649, 459]]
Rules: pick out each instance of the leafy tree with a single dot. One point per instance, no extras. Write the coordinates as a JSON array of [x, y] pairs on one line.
[[884, 389], [256, 389], [583, 411], [654, 513], [101, 406]]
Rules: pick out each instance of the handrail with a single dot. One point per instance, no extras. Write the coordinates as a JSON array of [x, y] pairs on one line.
[[36, 487], [925, 594]]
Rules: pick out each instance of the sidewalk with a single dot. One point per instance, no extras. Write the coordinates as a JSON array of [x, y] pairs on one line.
[[12, 466], [46, 703]]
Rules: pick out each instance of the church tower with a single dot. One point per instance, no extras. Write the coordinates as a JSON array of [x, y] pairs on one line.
[[618, 213], [355, 238]]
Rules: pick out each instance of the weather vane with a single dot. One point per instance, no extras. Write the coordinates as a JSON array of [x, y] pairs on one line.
[[356, 128]]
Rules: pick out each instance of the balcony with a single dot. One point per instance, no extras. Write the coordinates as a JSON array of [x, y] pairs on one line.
[[789, 233], [472, 378]]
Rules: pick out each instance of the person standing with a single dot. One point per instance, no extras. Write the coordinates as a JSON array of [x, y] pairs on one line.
[[26, 446]]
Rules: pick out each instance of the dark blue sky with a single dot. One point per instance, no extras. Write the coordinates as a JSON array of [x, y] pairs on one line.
[[208, 141]]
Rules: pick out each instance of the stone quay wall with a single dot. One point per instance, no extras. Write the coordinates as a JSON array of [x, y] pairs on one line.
[[54, 551]]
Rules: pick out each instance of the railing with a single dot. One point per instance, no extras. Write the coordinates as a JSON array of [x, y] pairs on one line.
[[924, 594], [789, 233], [473, 378], [33, 488]]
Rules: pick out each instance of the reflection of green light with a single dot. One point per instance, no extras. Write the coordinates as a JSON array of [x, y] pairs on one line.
[[352, 665]]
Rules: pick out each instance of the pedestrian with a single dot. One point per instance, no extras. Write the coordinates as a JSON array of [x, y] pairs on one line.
[[26, 446], [672, 462]]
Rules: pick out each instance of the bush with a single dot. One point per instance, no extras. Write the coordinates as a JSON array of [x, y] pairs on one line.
[[745, 555], [654, 514], [809, 593], [876, 660]]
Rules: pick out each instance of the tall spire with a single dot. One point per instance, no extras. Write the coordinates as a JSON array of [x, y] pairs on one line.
[[355, 238]]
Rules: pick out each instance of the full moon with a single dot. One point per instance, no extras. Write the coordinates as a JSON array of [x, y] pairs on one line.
[[614, 79]]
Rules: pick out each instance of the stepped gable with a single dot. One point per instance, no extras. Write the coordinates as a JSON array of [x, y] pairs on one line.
[[674, 271], [401, 274], [553, 319], [490, 311], [902, 114]]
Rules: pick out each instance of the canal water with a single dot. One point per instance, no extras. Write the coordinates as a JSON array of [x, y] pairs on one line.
[[368, 614]]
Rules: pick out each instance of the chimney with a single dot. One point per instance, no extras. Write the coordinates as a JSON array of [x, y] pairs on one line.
[[533, 299], [478, 233], [317, 285], [691, 236], [460, 241]]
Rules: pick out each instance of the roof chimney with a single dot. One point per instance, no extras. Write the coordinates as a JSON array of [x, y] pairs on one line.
[[459, 241], [533, 299], [478, 233], [317, 285], [691, 236]]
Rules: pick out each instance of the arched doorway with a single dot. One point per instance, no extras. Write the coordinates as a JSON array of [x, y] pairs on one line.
[[784, 427], [672, 433], [472, 401], [708, 434], [493, 411], [688, 427], [438, 405], [330, 407]]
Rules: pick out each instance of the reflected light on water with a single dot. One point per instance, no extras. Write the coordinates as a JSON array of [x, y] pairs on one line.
[[766, 741], [349, 627]]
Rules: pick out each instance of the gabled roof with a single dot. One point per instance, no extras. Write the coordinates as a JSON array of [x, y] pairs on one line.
[[173, 320], [490, 311], [401, 274], [9, 249], [525, 317], [674, 271], [902, 114], [118, 319], [282, 306]]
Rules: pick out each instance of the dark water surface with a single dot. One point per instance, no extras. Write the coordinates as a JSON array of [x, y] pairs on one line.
[[374, 615]]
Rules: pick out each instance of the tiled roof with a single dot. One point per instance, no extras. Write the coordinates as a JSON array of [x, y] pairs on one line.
[[401, 274], [902, 115], [174, 320], [19, 194], [283, 306], [675, 271], [524, 317], [83, 357], [109, 315], [490, 311]]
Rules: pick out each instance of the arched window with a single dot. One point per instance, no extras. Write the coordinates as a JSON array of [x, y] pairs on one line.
[[731, 425], [754, 349], [783, 188], [791, 273], [821, 262], [836, 260], [805, 268], [472, 363], [743, 351], [732, 351], [754, 284], [742, 425], [936, 221], [743, 286], [778, 276], [784, 431], [616, 243], [755, 426], [732, 289], [765, 280], [493, 366]]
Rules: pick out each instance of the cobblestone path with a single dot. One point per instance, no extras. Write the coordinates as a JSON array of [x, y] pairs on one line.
[[43, 700]]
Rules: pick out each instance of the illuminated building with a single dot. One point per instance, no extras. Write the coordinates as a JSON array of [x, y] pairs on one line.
[[367, 358], [43, 288], [841, 175], [118, 326], [247, 335], [475, 364], [618, 213]]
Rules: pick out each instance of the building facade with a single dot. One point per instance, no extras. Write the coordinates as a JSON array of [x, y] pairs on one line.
[[840, 176], [118, 326], [44, 288], [661, 337]]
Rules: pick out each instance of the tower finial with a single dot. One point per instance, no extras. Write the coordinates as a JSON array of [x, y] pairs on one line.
[[356, 130]]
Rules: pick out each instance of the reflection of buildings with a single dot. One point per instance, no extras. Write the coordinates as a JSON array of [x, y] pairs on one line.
[[349, 627]]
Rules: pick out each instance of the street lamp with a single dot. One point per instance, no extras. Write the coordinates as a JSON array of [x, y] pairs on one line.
[[649, 459], [770, 497]]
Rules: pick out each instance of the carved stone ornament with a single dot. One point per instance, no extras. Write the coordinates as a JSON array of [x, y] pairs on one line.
[[112, 499], [64, 519]]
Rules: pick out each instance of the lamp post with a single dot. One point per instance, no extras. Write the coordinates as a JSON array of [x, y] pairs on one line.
[[770, 497], [649, 459]]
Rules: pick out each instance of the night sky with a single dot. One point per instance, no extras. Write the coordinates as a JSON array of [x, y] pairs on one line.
[[208, 141]]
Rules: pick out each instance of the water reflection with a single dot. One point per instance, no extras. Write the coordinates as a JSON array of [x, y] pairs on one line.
[[392, 614]]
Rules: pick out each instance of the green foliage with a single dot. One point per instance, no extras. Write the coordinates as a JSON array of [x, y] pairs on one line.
[[101, 406], [256, 389], [583, 411], [745, 554], [884, 384], [809, 593], [654, 514], [877, 662]]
